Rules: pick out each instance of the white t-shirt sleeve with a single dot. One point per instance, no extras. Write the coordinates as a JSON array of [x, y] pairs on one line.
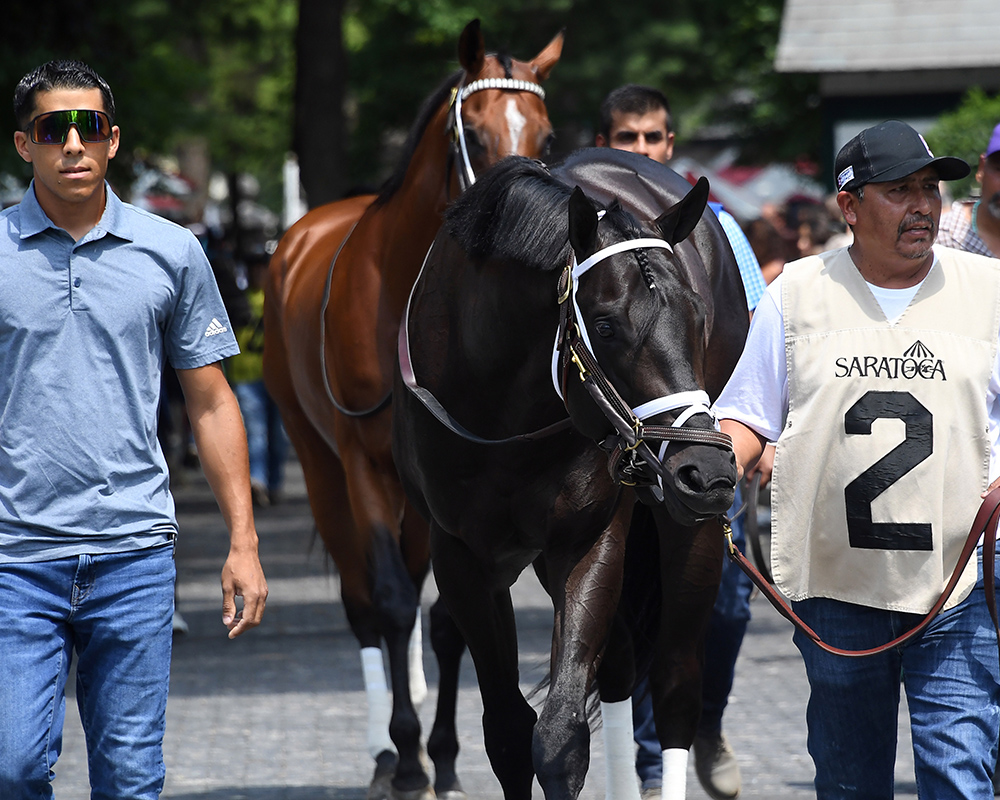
[[757, 391]]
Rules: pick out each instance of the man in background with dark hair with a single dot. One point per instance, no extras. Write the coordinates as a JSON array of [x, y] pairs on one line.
[[637, 118], [95, 297]]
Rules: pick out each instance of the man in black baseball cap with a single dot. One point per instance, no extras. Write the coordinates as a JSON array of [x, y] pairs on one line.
[[874, 368], [894, 230]]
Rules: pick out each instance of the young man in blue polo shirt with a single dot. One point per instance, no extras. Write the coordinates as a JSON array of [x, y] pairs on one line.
[[95, 296]]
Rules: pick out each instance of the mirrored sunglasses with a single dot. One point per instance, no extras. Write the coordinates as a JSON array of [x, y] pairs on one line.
[[53, 127]]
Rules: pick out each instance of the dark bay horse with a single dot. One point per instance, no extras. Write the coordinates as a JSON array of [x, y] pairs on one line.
[[550, 359], [337, 288]]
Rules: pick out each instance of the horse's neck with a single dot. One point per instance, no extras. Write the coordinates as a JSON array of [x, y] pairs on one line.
[[410, 219], [512, 338]]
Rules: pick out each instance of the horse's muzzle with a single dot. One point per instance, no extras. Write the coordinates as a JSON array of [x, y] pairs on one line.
[[699, 482]]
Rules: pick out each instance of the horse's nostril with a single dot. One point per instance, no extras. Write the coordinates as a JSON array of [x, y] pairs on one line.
[[692, 479]]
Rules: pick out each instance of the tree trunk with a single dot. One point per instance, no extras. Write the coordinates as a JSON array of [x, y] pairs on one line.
[[320, 86]]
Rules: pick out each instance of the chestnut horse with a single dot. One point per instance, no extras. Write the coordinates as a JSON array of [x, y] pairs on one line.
[[337, 288], [551, 359]]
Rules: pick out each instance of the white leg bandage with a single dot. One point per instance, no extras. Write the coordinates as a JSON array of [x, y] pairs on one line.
[[379, 701], [619, 751], [675, 764], [418, 682]]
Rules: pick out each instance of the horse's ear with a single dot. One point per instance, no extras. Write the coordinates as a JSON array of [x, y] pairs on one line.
[[472, 49], [679, 220], [546, 60], [582, 224]]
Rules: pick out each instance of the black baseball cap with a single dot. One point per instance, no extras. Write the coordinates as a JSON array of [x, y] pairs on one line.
[[888, 152]]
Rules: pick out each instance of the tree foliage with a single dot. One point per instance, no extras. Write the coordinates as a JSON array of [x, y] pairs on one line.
[[713, 58], [179, 69], [225, 71], [965, 133]]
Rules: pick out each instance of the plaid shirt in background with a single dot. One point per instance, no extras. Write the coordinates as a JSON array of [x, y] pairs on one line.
[[956, 231], [753, 278]]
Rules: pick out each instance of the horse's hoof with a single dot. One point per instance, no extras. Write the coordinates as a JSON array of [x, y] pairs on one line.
[[424, 793], [381, 785], [449, 788], [381, 788]]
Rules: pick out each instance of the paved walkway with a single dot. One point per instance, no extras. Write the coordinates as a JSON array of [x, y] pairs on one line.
[[279, 714]]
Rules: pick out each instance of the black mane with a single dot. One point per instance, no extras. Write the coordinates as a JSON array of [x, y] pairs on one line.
[[514, 211], [518, 211], [424, 116]]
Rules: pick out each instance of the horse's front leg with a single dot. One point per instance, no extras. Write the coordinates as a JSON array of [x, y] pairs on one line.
[[484, 614], [377, 503], [690, 566], [585, 590]]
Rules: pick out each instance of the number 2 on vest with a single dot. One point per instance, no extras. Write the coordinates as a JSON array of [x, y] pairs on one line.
[[862, 491]]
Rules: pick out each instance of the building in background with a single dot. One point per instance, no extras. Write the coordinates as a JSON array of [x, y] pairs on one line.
[[884, 59]]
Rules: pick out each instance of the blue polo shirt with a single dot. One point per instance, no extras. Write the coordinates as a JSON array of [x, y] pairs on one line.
[[85, 330]]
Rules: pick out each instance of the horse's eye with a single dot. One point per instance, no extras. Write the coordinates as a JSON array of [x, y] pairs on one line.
[[604, 329], [472, 142], [547, 146]]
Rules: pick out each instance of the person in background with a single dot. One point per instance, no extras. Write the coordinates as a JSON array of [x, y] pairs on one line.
[[974, 225], [96, 297], [894, 464], [815, 226], [637, 118], [772, 250], [266, 438]]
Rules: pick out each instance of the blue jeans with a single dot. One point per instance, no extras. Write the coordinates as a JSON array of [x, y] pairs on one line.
[[266, 439], [726, 629], [115, 611], [950, 674]]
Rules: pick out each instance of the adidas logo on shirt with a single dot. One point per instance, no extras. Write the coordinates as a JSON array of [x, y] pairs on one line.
[[215, 328]]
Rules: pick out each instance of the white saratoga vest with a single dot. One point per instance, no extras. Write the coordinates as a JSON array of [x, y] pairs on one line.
[[885, 451]]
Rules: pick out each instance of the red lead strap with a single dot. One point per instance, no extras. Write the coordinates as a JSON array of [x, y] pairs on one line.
[[984, 525]]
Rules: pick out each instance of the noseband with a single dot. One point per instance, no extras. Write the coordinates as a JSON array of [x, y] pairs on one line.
[[466, 175], [632, 461]]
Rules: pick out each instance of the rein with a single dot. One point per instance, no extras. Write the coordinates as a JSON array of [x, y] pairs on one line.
[[984, 526], [384, 402], [432, 404]]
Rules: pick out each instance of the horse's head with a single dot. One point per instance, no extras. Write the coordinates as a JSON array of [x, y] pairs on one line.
[[643, 392], [498, 108]]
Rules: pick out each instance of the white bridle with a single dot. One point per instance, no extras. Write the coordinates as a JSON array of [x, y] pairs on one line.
[[461, 95]]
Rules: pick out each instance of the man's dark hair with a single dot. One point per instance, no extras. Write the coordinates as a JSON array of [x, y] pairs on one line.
[[632, 99], [59, 74]]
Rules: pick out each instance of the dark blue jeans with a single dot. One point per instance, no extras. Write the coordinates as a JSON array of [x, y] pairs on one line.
[[727, 627], [115, 611], [950, 674]]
